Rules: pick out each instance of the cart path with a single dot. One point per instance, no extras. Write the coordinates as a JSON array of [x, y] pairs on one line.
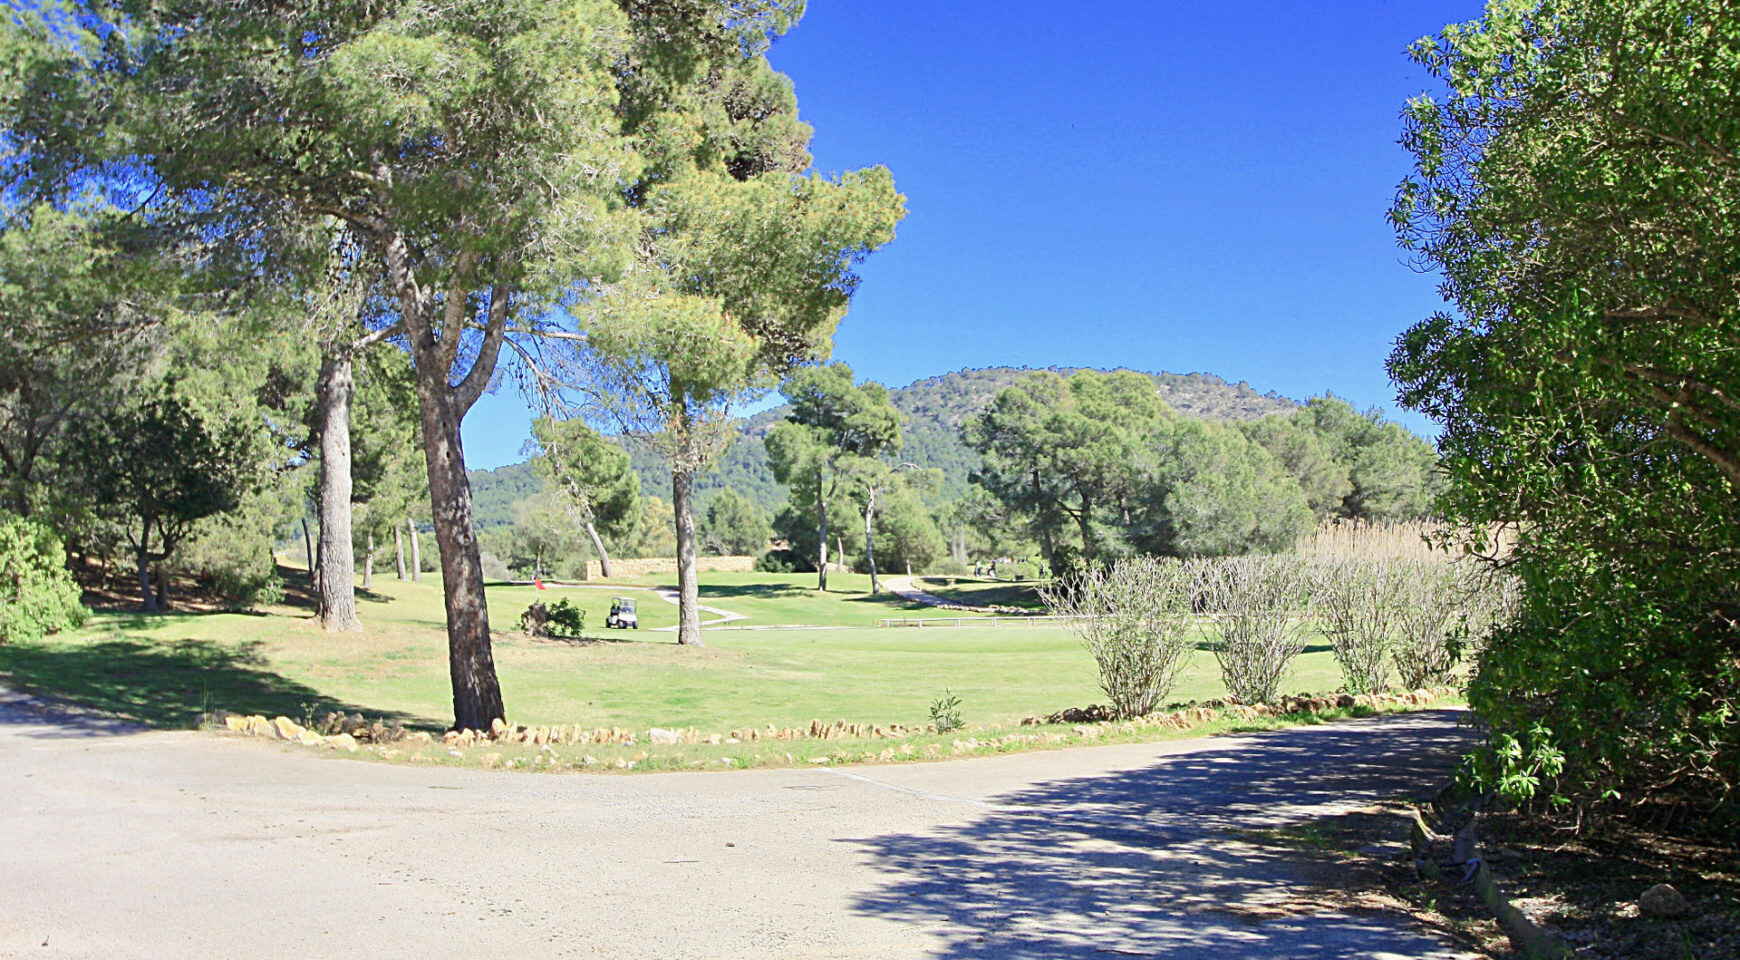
[[902, 587], [121, 843], [670, 596]]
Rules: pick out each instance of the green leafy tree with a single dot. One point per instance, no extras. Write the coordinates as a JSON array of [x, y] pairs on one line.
[[1392, 473], [1059, 448], [159, 467], [37, 594], [653, 534], [471, 147], [1308, 459], [593, 473], [79, 300], [1575, 183], [735, 525], [834, 434], [1215, 493]]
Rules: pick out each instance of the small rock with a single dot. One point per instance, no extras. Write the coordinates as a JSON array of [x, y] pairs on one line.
[[237, 724], [662, 735], [285, 728], [1662, 900], [342, 741]]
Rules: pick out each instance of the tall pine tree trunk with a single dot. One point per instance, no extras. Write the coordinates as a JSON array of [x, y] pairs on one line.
[[598, 545], [142, 558], [821, 534], [337, 580], [869, 541], [308, 546], [399, 550], [470, 662], [416, 551], [435, 343], [688, 591]]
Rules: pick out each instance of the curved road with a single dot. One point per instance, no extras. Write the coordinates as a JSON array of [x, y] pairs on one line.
[[122, 843]]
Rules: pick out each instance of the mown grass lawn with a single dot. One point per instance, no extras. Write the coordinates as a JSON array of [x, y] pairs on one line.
[[166, 670]]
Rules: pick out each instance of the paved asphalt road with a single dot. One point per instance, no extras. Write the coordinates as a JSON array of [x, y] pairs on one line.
[[118, 844]]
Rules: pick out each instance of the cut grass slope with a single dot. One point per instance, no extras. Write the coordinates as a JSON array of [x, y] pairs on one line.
[[165, 670]]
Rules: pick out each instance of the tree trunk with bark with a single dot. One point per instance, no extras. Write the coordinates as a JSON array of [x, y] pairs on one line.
[[869, 543], [142, 558], [598, 545], [369, 561], [399, 551], [162, 586], [821, 534], [471, 663], [308, 547], [688, 591], [337, 580], [416, 551]]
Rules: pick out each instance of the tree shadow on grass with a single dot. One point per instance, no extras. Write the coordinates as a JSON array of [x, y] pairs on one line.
[[169, 684], [1150, 861]]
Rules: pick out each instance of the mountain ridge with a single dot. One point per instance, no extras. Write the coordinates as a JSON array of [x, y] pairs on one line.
[[934, 408]]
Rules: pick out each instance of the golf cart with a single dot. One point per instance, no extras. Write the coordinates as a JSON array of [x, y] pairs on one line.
[[622, 614]]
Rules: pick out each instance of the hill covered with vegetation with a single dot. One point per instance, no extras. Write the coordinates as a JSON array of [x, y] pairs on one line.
[[935, 408]]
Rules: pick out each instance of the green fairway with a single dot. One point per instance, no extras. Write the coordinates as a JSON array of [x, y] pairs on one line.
[[984, 592], [166, 670]]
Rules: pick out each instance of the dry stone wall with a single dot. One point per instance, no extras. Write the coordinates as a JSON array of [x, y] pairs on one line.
[[653, 565]]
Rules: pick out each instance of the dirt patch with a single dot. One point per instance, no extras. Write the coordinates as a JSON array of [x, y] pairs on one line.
[[1360, 861], [1585, 889]]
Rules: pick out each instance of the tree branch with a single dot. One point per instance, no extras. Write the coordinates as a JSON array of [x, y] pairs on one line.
[[483, 368]]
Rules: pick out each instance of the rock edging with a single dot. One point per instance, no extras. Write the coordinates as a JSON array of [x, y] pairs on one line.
[[1529, 938], [336, 730], [1184, 719]]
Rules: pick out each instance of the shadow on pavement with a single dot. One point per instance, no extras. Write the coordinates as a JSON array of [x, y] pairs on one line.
[[155, 684], [1149, 862]]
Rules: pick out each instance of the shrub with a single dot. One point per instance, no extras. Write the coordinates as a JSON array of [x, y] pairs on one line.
[[1358, 602], [37, 594], [565, 619], [948, 567], [230, 555], [1134, 616], [559, 619], [775, 561], [1254, 605], [945, 713], [1432, 623]]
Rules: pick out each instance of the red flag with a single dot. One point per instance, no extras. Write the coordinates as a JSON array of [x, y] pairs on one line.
[[538, 583]]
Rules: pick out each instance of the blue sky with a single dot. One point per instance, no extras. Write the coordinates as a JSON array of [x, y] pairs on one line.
[[1155, 185]]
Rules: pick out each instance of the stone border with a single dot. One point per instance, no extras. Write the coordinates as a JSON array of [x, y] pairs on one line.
[[340, 731], [1529, 938]]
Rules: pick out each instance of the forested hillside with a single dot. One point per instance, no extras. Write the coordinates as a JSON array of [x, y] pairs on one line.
[[935, 408]]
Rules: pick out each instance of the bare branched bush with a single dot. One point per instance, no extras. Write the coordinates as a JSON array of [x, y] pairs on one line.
[[1255, 605], [1358, 603], [1434, 622], [1134, 616]]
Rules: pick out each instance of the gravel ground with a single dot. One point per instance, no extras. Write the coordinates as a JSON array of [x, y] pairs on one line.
[[124, 843]]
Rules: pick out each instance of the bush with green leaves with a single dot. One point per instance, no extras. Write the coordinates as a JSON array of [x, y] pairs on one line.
[[565, 619], [945, 713], [1358, 603], [1256, 607], [775, 561], [1134, 616], [37, 594]]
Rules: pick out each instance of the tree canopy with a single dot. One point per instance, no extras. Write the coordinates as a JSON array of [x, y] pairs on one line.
[[1575, 184]]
